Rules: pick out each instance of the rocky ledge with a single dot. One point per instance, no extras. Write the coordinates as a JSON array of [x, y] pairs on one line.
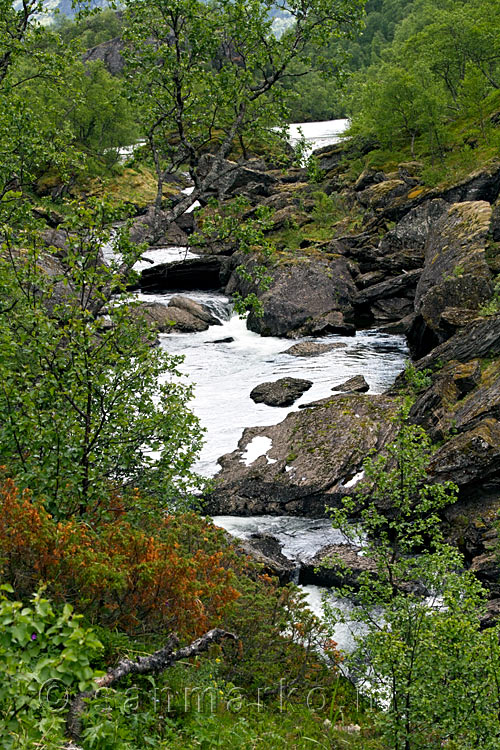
[[181, 314], [308, 461]]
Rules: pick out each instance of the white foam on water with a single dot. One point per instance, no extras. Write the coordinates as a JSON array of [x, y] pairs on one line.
[[256, 448]]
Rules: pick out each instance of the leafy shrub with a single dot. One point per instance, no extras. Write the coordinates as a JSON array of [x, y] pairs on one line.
[[44, 655], [175, 576], [279, 639]]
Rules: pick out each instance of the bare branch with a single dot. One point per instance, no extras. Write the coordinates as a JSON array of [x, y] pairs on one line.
[[158, 662]]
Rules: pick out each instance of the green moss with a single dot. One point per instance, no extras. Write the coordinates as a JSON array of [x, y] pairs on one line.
[[137, 186]]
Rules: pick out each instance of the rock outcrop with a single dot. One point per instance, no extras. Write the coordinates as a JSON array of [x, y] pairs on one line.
[[232, 178], [156, 231], [478, 338], [283, 392], [314, 458], [455, 275], [110, 53], [307, 297]]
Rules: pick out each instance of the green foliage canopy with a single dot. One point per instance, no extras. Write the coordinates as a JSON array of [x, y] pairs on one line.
[[81, 410]]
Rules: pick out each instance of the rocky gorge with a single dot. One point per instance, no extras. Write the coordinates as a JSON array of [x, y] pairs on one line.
[[384, 252]]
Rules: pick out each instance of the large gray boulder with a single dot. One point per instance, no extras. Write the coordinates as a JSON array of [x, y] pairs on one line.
[[283, 392], [181, 314], [308, 296]]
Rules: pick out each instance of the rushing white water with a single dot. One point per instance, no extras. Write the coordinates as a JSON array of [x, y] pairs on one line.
[[301, 537], [317, 134], [158, 255], [225, 373]]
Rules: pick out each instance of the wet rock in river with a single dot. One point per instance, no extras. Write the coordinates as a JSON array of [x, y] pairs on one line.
[[226, 340], [357, 384], [312, 349], [266, 550], [283, 392], [336, 565], [308, 296], [181, 314]]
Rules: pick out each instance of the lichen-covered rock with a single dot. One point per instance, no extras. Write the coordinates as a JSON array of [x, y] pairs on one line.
[[479, 338], [477, 396], [455, 274], [368, 177], [434, 408], [283, 392], [309, 461], [481, 185], [379, 195], [471, 458], [288, 216]]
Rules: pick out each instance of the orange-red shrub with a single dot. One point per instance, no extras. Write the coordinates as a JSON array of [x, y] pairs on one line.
[[175, 576]]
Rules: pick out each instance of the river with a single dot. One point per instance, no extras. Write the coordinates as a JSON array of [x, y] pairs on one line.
[[224, 373], [317, 134]]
